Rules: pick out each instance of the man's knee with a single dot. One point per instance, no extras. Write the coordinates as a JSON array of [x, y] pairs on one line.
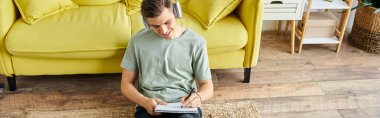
[[191, 115], [141, 113], [188, 115]]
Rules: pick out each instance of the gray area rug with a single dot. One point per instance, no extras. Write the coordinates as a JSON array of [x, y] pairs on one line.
[[242, 109]]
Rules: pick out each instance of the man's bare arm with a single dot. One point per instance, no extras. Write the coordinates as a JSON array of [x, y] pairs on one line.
[[206, 89], [129, 90]]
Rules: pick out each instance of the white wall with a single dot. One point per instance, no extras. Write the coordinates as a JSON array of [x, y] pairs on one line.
[[270, 25], [352, 16]]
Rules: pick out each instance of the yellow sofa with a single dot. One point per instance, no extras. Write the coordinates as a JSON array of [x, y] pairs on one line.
[[92, 40]]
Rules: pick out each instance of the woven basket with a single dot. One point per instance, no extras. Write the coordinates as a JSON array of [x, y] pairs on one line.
[[365, 32]]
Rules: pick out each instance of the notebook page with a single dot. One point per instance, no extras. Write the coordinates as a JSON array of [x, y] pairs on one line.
[[174, 108]]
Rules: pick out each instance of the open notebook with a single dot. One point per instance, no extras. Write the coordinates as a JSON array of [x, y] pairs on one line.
[[174, 108]]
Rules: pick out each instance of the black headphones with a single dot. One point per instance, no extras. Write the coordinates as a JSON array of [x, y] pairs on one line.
[[177, 11]]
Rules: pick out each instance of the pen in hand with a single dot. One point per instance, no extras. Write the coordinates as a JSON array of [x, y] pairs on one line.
[[192, 90]]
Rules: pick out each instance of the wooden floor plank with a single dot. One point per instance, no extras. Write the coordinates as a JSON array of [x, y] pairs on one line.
[[284, 64], [12, 113], [316, 63], [266, 90], [265, 77], [68, 83], [316, 103], [361, 113], [345, 73], [351, 87], [289, 76], [308, 114], [372, 61], [62, 100]]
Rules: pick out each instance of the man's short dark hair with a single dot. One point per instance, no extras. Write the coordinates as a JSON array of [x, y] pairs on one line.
[[154, 8]]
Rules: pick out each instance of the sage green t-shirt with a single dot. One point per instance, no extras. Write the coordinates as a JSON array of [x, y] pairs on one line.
[[167, 69]]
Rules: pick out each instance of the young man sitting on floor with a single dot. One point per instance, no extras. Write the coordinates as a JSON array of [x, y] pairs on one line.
[[165, 61]]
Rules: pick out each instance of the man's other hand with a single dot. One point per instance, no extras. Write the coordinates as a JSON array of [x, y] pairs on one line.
[[151, 104]]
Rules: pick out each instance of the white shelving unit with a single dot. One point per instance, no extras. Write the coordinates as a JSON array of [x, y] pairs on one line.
[[290, 10], [332, 40], [336, 4], [345, 6], [283, 9]]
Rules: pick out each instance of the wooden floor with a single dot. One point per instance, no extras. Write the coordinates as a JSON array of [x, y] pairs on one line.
[[319, 83]]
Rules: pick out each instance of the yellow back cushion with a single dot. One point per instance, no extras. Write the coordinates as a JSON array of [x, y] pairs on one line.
[[208, 12], [95, 2], [134, 6], [34, 10]]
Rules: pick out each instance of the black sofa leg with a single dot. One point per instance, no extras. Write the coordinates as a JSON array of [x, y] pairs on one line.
[[247, 75], [12, 83]]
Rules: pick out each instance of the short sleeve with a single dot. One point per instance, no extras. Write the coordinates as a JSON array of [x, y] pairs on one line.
[[129, 60], [200, 63]]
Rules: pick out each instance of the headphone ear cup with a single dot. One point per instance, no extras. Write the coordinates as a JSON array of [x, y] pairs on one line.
[[177, 10], [145, 22]]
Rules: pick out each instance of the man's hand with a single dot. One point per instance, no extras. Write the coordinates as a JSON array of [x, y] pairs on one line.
[[193, 101], [151, 104]]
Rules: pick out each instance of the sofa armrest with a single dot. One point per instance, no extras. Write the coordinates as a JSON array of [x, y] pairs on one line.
[[8, 15], [250, 13]]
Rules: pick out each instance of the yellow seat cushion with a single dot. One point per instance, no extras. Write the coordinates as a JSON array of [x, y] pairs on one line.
[[86, 32], [34, 10], [95, 2], [208, 12]]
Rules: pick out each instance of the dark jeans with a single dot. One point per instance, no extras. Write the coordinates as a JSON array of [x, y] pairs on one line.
[[142, 113]]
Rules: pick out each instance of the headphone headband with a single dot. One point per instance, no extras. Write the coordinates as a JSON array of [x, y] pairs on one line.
[[177, 11]]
